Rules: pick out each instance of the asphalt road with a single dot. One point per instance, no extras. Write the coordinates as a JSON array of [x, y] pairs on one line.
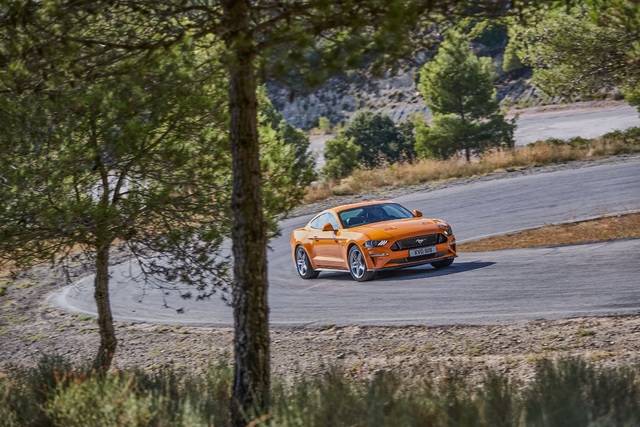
[[479, 288], [572, 121]]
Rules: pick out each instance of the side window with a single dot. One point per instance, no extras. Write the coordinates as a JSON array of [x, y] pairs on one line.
[[318, 222], [332, 220], [323, 219]]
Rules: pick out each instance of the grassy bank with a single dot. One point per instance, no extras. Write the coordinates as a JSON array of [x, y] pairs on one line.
[[567, 392], [538, 154], [602, 229]]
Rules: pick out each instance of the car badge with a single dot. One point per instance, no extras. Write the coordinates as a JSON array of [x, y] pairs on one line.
[[419, 240]]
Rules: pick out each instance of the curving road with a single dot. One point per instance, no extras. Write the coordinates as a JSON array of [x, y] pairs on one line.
[[568, 121], [479, 288]]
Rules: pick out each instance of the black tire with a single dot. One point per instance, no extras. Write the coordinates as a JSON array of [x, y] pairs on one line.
[[358, 265], [442, 264], [303, 265]]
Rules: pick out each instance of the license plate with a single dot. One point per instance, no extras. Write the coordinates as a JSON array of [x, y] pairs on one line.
[[422, 251]]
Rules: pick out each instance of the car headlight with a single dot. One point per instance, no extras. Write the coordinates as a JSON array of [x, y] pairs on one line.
[[374, 243], [448, 231]]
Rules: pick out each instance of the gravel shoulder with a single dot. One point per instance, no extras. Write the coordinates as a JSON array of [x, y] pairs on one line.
[[30, 327]]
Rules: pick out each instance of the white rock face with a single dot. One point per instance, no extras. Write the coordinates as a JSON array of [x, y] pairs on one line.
[[338, 100]]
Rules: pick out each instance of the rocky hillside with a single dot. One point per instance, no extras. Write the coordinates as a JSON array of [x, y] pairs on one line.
[[396, 95], [341, 97]]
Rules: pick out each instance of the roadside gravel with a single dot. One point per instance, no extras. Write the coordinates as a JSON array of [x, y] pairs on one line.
[[30, 327]]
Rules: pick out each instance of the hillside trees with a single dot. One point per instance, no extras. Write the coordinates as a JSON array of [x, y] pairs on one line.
[[579, 51], [457, 89], [489, 33]]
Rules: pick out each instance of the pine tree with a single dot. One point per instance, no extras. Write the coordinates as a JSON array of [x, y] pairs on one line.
[[457, 89], [577, 52]]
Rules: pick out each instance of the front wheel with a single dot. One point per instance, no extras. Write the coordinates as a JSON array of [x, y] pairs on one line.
[[443, 263], [358, 265], [303, 265]]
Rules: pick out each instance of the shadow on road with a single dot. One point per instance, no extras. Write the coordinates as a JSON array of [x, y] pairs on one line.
[[428, 271], [412, 273]]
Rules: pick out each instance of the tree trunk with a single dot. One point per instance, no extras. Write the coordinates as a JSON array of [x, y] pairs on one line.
[[249, 236], [108, 342]]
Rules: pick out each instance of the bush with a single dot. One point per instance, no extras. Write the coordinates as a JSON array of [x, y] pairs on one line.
[[572, 393], [568, 392], [631, 134], [112, 401], [24, 392], [324, 124], [380, 140], [341, 154], [55, 394]]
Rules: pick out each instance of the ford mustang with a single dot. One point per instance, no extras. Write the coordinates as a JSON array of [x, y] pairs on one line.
[[367, 237]]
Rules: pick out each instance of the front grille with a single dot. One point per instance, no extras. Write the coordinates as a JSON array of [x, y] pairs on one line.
[[418, 242], [417, 258]]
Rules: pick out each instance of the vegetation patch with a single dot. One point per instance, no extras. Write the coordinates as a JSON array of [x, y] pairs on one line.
[[568, 391], [585, 332], [3, 288], [601, 229], [541, 153]]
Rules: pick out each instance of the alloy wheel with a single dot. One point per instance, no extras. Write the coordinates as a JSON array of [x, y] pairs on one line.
[[301, 261], [357, 264]]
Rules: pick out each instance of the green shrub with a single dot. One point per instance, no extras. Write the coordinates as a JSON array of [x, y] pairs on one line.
[[341, 154], [111, 401], [572, 393], [568, 392], [580, 142], [631, 134], [25, 392], [8, 413], [324, 124]]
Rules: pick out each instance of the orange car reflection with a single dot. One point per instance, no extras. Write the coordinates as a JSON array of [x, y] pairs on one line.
[[367, 237]]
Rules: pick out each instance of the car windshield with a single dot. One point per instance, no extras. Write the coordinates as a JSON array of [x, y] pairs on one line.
[[373, 213]]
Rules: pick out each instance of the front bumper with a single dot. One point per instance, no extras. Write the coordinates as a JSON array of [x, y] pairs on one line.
[[381, 258]]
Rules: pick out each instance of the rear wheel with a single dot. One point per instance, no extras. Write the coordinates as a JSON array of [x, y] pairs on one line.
[[443, 263], [358, 265], [303, 265]]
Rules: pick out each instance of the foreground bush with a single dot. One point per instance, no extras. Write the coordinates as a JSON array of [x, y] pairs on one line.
[[569, 392]]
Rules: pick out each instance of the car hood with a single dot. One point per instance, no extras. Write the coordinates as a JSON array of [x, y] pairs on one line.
[[401, 227]]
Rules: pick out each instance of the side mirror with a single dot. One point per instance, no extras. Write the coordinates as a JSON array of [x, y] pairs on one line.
[[417, 213], [328, 227]]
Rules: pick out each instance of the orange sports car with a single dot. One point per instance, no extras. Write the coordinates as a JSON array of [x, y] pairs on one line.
[[366, 237]]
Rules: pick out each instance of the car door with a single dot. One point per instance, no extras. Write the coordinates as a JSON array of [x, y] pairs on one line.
[[328, 245]]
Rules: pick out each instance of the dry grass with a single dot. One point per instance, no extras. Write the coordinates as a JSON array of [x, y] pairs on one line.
[[539, 154], [606, 228]]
